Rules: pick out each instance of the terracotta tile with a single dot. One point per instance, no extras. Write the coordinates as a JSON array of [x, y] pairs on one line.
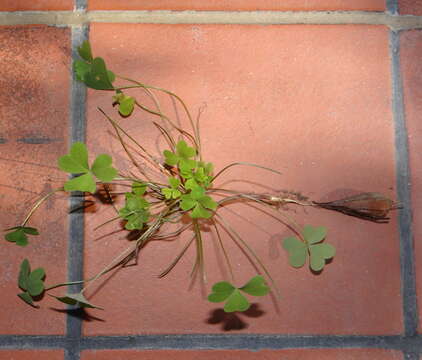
[[410, 53], [31, 354], [413, 7], [311, 101], [237, 5], [43, 5], [323, 354], [34, 128]]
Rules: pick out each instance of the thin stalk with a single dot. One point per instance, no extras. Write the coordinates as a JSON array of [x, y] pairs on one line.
[[38, 204], [178, 257], [226, 256], [246, 164], [200, 249]]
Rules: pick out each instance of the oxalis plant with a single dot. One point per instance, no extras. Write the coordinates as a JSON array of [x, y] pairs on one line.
[[187, 193]]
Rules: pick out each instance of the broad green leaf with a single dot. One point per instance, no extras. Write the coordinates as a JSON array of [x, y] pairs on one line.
[[25, 270], [79, 153], [297, 251], [81, 68], [84, 51], [81, 183], [221, 291], [236, 302], [102, 168], [126, 105], [256, 286], [18, 237], [27, 298], [98, 77], [314, 235], [76, 299], [187, 203]]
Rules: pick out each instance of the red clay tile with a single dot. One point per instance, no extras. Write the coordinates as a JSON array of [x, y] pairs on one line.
[[322, 354], [413, 7], [311, 101], [43, 5], [33, 130], [237, 5], [410, 54], [31, 354]]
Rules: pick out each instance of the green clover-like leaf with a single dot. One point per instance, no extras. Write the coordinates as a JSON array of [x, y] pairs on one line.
[[199, 202], [81, 68], [235, 300], [77, 300], [18, 234], [181, 157], [297, 250], [126, 105], [76, 162], [172, 192], [135, 211], [31, 282]]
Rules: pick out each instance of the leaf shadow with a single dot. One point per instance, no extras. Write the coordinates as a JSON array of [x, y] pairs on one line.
[[78, 313], [234, 321]]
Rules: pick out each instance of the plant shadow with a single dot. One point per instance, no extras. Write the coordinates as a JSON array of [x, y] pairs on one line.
[[234, 321]]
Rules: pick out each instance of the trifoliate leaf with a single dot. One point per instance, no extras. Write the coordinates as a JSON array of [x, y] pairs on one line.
[[256, 286], [84, 51], [18, 235], [170, 158], [185, 151], [199, 212], [102, 168], [76, 299], [236, 302], [25, 270], [197, 200], [81, 183], [27, 298], [181, 157], [314, 235], [98, 77], [135, 211], [297, 250]]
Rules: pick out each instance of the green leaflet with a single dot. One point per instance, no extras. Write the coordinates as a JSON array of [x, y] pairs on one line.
[[77, 299], [31, 282], [18, 234], [135, 211], [76, 162], [199, 203]]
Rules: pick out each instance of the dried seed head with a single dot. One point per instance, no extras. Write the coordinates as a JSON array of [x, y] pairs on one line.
[[369, 206]]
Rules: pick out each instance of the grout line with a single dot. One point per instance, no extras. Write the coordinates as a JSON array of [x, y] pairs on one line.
[[72, 18], [410, 355], [76, 216], [392, 6], [410, 310], [408, 345]]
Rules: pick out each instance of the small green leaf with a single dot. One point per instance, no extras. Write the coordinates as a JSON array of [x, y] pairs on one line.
[[81, 183], [199, 212], [76, 299], [256, 286], [126, 105], [138, 188], [174, 182], [187, 203], [37, 274], [185, 151], [111, 75], [25, 270], [170, 158], [81, 68], [30, 230], [35, 287], [84, 51], [314, 235], [102, 168], [297, 250], [221, 291], [27, 298], [236, 302], [99, 77]]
